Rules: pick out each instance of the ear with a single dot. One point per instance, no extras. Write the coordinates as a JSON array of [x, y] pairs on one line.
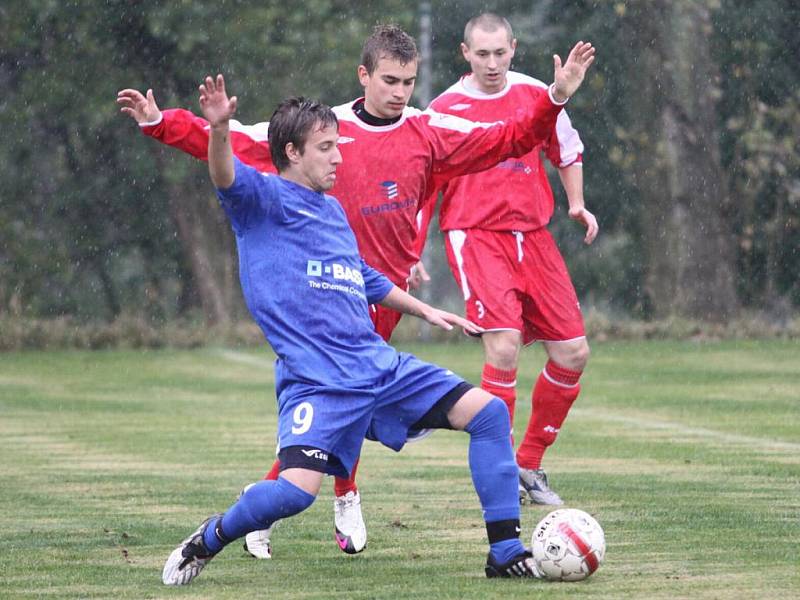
[[292, 153], [363, 75], [513, 46], [465, 51]]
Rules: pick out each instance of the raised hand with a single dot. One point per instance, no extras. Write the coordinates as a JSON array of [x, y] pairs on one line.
[[569, 76], [216, 106], [143, 109]]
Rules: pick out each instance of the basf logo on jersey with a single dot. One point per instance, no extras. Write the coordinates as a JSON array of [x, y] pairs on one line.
[[345, 278], [389, 191]]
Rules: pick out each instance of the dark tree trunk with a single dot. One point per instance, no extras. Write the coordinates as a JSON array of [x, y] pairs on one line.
[[689, 248], [188, 207]]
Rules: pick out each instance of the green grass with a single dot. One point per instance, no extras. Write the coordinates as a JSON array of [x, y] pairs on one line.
[[688, 455]]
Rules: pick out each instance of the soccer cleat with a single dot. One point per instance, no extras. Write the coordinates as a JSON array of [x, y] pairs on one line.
[[522, 565], [533, 488], [188, 559], [257, 544], [351, 532]]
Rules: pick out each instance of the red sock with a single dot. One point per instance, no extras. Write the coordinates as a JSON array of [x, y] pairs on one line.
[[274, 471], [342, 486], [501, 383], [553, 395]]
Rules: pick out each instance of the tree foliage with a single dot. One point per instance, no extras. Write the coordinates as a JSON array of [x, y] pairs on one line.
[[97, 221]]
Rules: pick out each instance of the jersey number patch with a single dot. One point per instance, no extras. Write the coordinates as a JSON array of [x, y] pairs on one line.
[[302, 417]]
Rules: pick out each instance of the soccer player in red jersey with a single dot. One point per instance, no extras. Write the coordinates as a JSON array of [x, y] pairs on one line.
[[394, 157], [513, 278]]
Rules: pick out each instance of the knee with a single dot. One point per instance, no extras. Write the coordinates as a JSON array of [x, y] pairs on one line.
[[502, 351], [570, 355], [492, 419]]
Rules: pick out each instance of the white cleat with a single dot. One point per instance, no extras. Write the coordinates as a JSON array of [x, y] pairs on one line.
[[351, 532], [188, 559], [257, 544]]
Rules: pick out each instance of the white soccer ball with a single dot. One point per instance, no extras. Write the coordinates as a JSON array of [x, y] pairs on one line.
[[568, 545]]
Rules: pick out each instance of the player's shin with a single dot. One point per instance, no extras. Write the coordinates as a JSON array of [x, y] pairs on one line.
[[495, 475], [260, 506], [553, 395]]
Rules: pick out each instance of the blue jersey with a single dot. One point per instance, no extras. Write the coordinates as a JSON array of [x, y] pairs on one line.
[[305, 282]]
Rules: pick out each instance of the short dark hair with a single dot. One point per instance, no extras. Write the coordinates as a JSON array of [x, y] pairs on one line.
[[293, 121], [488, 22], [388, 41]]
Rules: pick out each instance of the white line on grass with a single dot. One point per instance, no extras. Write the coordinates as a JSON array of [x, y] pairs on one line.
[[650, 423], [244, 358]]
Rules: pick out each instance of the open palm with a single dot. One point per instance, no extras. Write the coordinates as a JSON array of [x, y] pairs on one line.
[[216, 106], [569, 76]]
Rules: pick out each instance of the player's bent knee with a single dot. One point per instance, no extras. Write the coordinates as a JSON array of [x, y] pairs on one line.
[[469, 405], [491, 421]]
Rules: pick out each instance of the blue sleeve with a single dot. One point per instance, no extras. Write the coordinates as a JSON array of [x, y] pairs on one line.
[[376, 284], [250, 196]]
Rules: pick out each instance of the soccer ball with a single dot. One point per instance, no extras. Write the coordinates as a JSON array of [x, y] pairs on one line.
[[568, 545]]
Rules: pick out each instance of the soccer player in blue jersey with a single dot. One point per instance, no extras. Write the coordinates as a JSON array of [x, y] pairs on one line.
[[337, 381]]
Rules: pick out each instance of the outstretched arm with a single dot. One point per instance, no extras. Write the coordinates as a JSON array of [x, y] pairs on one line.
[[461, 147], [218, 109], [406, 303], [142, 109], [189, 133]]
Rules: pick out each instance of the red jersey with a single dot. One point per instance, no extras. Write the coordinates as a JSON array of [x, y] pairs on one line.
[[388, 172], [515, 195]]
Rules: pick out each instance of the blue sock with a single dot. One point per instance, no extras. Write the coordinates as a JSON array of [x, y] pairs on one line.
[[258, 508], [495, 474]]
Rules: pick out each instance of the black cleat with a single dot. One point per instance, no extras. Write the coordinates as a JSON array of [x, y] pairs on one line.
[[521, 565]]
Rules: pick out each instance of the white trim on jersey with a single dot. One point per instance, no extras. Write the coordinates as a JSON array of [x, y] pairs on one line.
[[454, 123], [569, 141], [570, 146], [512, 78], [258, 132], [457, 238], [344, 112]]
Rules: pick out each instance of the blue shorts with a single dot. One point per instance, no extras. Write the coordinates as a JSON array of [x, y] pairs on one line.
[[337, 420]]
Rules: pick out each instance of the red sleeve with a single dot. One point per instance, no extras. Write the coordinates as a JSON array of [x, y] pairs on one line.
[[461, 146], [185, 131]]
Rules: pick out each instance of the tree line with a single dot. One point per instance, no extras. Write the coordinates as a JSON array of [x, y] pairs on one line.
[[690, 118]]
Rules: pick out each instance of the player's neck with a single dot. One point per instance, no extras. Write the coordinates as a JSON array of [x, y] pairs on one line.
[[366, 116], [473, 84], [298, 179]]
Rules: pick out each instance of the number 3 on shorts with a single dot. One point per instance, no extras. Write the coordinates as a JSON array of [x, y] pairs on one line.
[[302, 417]]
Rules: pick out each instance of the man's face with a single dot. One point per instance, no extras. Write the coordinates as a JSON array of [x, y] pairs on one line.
[[316, 166], [489, 54], [388, 89]]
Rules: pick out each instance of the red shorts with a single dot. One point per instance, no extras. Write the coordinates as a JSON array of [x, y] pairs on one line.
[[517, 281], [384, 319]]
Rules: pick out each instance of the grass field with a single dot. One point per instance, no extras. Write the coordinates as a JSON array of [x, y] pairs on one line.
[[688, 455]]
